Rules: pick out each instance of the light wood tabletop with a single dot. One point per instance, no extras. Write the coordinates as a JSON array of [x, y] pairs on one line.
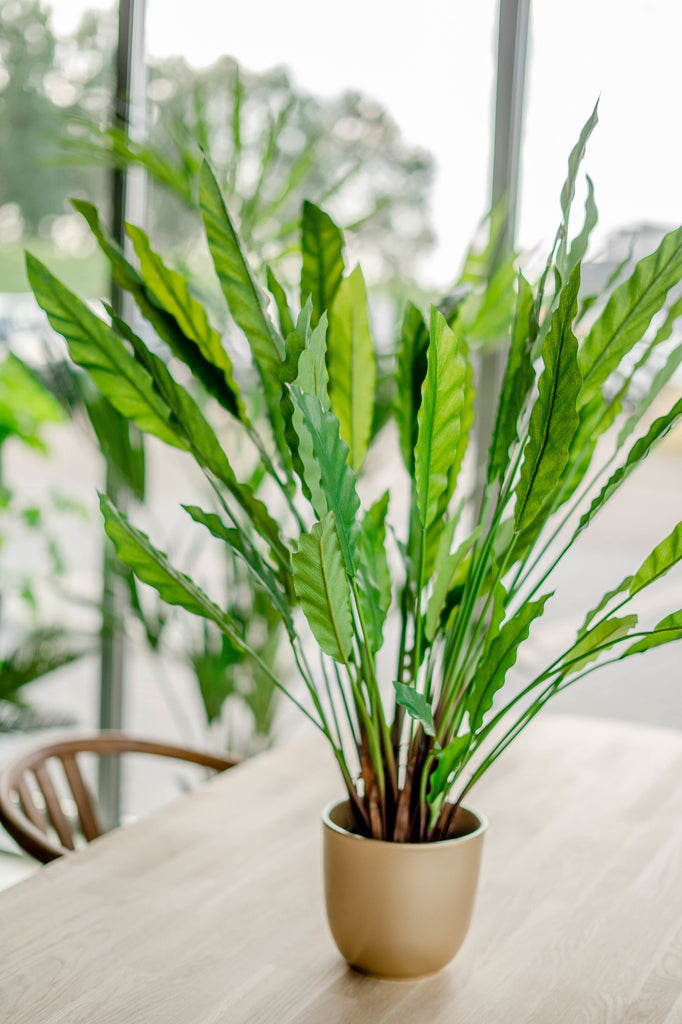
[[211, 911]]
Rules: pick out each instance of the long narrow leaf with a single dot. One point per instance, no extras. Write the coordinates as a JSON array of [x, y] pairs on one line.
[[337, 478], [322, 588], [629, 312], [499, 655], [664, 556], [165, 325], [352, 365], [518, 379], [322, 252], [171, 292], [410, 373], [553, 419], [96, 347], [374, 574], [439, 417]]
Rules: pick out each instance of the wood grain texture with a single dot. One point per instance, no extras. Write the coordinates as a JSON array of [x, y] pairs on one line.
[[211, 911]]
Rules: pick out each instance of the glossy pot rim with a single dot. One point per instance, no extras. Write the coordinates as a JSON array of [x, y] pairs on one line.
[[440, 844]]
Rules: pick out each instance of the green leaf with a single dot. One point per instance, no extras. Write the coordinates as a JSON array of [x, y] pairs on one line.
[[195, 433], [95, 346], [568, 190], [352, 365], [499, 655], [171, 293], [312, 378], [151, 566], [592, 643], [444, 568], [322, 588], [119, 440], [518, 379], [553, 419], [244, 298], [416, 705], [466, 419], [447, 763], [581, 241], [410, 373], [313, 375], [661, 378], [666, 631], [239, 543], [337, 479], [628, 313], [439, 417], [664, 556], [375, 577], [606, 599], [294, 346], [322, 251], [639, 451], [286, 321], [165, 325]]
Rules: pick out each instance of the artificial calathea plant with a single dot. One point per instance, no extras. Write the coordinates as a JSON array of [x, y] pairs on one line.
[[410, 743]]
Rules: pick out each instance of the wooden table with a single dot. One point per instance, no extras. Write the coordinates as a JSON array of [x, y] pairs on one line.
[[211, 911]]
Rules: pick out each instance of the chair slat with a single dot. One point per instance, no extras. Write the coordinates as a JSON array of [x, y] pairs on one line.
[[54, 809], [84, 800], [28, 806]]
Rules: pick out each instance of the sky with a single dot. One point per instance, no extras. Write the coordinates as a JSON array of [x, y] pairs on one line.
[[432, 66]]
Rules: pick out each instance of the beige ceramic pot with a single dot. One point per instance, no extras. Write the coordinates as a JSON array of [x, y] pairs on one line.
[[399, 910]]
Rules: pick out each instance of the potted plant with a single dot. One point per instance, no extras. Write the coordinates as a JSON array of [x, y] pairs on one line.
[[411, 730]]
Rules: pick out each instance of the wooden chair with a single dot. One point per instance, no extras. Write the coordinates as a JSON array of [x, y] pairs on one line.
[[31, 809]]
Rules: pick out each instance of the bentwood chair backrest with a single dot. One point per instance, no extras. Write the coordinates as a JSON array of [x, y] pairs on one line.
[[32, 788]]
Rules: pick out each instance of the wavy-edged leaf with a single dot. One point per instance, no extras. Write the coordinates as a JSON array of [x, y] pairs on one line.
[[603, 636], [238, 542], [517, 382], [628, 313], [580, 242], [244, 298], [294, 346], [639, 451], [151, 566], [312, 378], [313, 375], [413, 346], [666, 631], [96, 347], [337, 479], [322, 588], [286, 321], [553, 419], [196, 434], [352, 365], [439, 417], [322, 251], [466, 419], [568, 190], [661, 378], [373, 572], [664, 556], [171, 292], [165, 325], [416, 705], [499, 655], [606, 600]]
